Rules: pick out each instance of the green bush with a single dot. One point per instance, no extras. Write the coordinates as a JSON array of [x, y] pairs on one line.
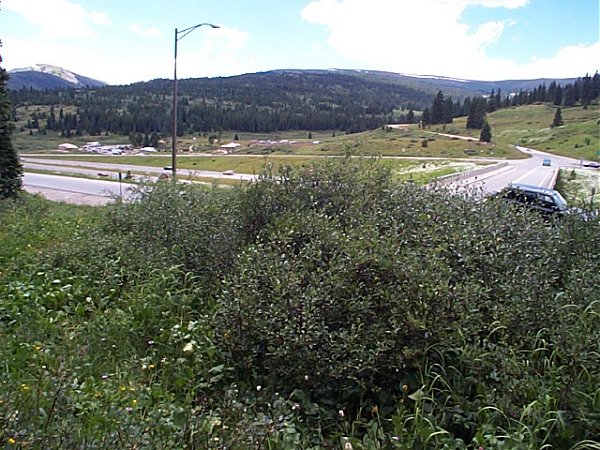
[[314, 308]]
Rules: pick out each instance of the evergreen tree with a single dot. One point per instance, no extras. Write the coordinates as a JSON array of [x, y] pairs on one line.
[[557, 121], [11, 171], [410, 117], [476, 117], [426, 117], [558, 96], [587, 91], [486, 133], [437, 109], [448, 111]]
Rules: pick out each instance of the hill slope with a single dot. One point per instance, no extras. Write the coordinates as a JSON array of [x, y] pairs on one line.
[[46, 76]]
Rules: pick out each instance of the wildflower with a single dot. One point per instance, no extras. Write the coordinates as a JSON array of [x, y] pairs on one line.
[[104, 377], [12, 441], [374, 410], [189, 347], [348, 446], [295, 406], [134, 402], [306, 377], [24, 387], [151, 366], [122, 388], [405, 387], [258, 388], [150, 342], [129, 409], [341, 412]]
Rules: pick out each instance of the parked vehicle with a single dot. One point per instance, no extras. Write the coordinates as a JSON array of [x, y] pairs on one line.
[[547, 162], [544, 200]]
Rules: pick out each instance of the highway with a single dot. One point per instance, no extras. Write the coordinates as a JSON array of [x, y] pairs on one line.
[[526, 171], [112, 170], [480, 182], [81, 191]]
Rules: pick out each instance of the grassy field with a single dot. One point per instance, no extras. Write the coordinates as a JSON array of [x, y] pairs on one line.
[[525, 125], [418, 171], [580, 187], [529, 126]]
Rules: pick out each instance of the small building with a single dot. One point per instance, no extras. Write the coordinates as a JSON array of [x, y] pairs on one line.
[[230, 147], [67, 147]]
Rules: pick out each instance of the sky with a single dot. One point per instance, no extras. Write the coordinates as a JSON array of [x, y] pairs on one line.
[[125, 41]]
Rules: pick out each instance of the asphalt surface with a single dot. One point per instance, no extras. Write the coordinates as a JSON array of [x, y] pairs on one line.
[[80, 191], [95, 192]]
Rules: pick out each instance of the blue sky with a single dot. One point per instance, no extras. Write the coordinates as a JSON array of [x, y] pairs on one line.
[[123, 41]]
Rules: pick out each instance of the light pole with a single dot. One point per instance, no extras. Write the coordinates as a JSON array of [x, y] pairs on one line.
[[178, 36]]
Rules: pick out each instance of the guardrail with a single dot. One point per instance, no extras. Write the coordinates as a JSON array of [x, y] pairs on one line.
[[453, 177]]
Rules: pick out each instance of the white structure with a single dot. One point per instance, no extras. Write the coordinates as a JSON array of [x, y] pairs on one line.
[[67, 147], [230, 147]]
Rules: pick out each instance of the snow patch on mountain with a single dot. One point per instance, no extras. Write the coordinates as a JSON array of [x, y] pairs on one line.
[[52, 70]]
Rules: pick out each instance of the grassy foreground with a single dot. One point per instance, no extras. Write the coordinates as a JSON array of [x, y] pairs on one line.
[[331, 308]]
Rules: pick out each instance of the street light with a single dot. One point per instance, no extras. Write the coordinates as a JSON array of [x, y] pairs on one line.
[[178, 36]]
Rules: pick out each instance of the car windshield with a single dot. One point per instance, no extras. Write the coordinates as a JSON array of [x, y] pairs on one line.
[[560, 201]]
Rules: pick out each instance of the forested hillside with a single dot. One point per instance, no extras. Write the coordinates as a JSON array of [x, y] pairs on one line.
[[266, 102]]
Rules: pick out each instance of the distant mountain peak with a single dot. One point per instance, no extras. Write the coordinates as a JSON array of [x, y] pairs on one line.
[[47, 76], [52, 70]]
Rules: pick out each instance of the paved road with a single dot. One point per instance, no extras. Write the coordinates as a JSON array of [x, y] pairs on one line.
[[529, 171], [80, 191], [114, 169], [526, 171]]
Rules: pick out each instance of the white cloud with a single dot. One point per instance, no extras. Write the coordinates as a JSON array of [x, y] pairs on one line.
[[427, 37], [214, 52], [58, 18], [224, 39], [509, 4], [145, 32]]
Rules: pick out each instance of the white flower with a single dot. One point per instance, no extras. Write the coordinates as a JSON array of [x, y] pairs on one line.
[[189, 347]]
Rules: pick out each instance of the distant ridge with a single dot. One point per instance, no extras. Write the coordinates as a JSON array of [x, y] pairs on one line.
[[46, 76]]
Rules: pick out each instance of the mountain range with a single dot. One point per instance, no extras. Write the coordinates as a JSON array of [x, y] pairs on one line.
[[46, 76]]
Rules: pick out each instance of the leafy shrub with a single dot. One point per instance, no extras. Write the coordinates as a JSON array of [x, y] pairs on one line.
[[315, 308]]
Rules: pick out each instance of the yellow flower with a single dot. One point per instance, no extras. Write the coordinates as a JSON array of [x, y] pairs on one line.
[[24, 387], [122, 388], [134, 402], [405, 387], [12, 441]]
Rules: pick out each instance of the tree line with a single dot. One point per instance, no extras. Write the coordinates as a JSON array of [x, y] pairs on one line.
[[443, 110], [277, 102]]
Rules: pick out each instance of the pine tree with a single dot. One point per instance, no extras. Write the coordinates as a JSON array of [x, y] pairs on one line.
[[11, 171], [437, 109], [477, 109], [557, 121], [486, 133]]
